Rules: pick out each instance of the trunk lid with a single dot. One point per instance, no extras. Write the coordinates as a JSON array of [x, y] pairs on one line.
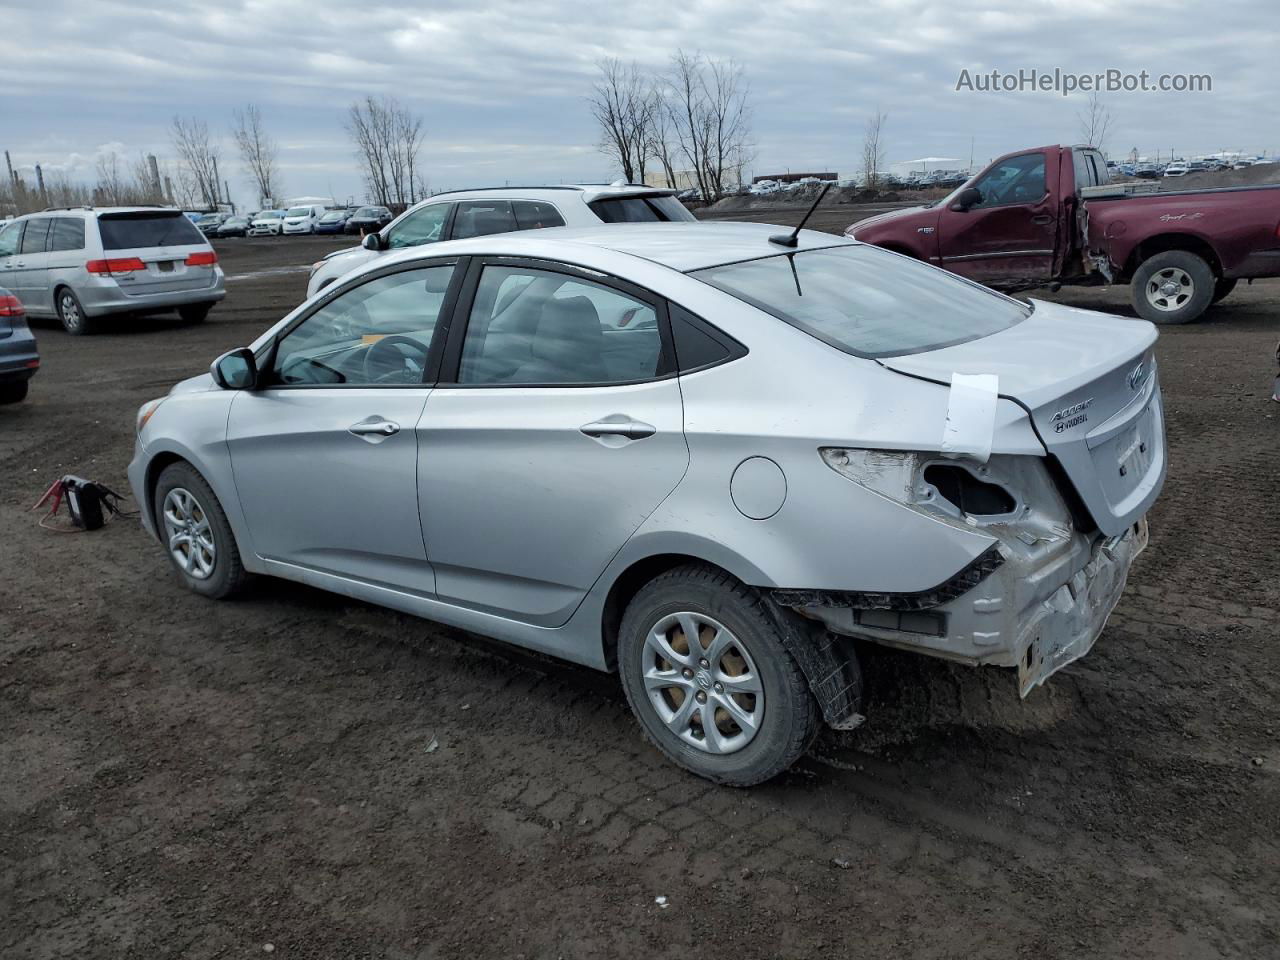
[[1088, 382]]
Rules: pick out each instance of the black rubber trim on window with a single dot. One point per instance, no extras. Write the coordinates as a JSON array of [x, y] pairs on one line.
[[733, 349], [974, 573]]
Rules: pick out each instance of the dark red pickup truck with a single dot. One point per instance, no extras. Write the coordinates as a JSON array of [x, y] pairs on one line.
[[1049, 215]]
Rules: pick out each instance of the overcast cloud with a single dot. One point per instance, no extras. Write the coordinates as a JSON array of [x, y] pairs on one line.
[[500, 85]]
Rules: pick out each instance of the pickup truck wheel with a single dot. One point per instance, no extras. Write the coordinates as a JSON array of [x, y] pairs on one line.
[[709, 679], [1222, 289], [1172, 287]]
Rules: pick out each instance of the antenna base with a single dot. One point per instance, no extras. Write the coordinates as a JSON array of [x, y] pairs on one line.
[[785, 240]]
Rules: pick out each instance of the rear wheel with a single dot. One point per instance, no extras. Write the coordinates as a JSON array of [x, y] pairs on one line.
[[1222, 289], [71, 313], [195, 533], [13, 392], [1172, 287], [709, 680], [194, 312]]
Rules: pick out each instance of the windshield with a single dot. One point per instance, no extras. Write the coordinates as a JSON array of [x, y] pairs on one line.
[[640, 209], [270, 215], [333, 215], [867, 301], [125, 231], [299, 212]]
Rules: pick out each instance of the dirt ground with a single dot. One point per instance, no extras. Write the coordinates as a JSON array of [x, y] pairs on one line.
[[181, 778]]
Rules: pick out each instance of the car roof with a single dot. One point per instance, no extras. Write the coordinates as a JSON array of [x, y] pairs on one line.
[[679, 246], [588, 192]]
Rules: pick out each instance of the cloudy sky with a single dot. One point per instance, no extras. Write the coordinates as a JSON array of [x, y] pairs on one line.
[[500, 84]]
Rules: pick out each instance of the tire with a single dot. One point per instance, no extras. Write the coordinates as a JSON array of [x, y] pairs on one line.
[[217, 573], [723, 610], [1172, 287], [194, 312], [14, 392], [1222, 289], [71, 313]]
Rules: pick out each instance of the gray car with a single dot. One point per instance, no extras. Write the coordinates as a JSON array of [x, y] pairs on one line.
[[81, 264], [685, 452]]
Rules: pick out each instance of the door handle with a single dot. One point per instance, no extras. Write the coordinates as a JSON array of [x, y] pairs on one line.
[[374, 428], [1042, 219], [619, 426]]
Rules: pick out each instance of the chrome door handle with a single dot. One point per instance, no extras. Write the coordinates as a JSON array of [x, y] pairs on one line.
[[619, 427], [375, 427]]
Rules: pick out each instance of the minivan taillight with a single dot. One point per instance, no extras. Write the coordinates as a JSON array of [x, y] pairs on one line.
[[205, 259], [121, 265], [11, 306]]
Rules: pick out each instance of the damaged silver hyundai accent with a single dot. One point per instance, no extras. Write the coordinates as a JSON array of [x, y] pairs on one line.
[[685, 452]]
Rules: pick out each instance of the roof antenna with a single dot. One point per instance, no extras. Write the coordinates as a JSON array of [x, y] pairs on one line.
[[789, 239]]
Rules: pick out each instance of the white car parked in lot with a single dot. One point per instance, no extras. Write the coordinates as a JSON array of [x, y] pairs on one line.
[[268, 223], [478, 213], [302, 219], [1178, 168]]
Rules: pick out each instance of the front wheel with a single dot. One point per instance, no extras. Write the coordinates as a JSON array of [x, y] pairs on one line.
[[1172, 287], [195, 533], [710, 681]]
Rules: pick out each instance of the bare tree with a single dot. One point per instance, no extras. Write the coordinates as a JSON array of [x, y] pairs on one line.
[[258, 151], [387, 138], [623, 102], [197, 158], [709, 108], [113, 187], [662, 144], [1095, 122], [873, 149]]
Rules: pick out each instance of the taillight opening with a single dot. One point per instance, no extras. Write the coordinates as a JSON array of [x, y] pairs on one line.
[[11, 306], [119, 265], [205, 258]]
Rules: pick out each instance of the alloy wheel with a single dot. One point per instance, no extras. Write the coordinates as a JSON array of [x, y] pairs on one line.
[[69, 311], [703, 683], [189, 534], [1170, 289]]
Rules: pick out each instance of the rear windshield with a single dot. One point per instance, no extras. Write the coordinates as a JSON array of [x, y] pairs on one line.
[[640, 209], [124, 231], [866, 301]]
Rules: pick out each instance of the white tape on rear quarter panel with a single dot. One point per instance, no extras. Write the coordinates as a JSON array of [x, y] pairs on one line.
[[971, 416]]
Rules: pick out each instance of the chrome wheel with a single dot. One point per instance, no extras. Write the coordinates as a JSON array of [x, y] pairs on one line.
[[1170, 289], [186, 525], [69, 311], [702, 683]]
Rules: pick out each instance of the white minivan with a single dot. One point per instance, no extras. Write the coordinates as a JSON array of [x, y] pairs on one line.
[[302, 219]]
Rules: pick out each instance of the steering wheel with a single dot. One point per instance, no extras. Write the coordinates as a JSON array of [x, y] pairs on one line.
[[395, 359]]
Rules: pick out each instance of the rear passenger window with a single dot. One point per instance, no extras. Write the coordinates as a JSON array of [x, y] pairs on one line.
[[695, 348], [533, 214], [67, 234], [538, 327], [479, 218], [33, 241]]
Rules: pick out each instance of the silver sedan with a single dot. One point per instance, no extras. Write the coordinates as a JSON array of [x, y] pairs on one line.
[[691, 453]]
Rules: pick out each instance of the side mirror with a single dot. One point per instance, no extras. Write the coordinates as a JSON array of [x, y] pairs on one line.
[[969, 197], [372, 241], [235, 370]]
